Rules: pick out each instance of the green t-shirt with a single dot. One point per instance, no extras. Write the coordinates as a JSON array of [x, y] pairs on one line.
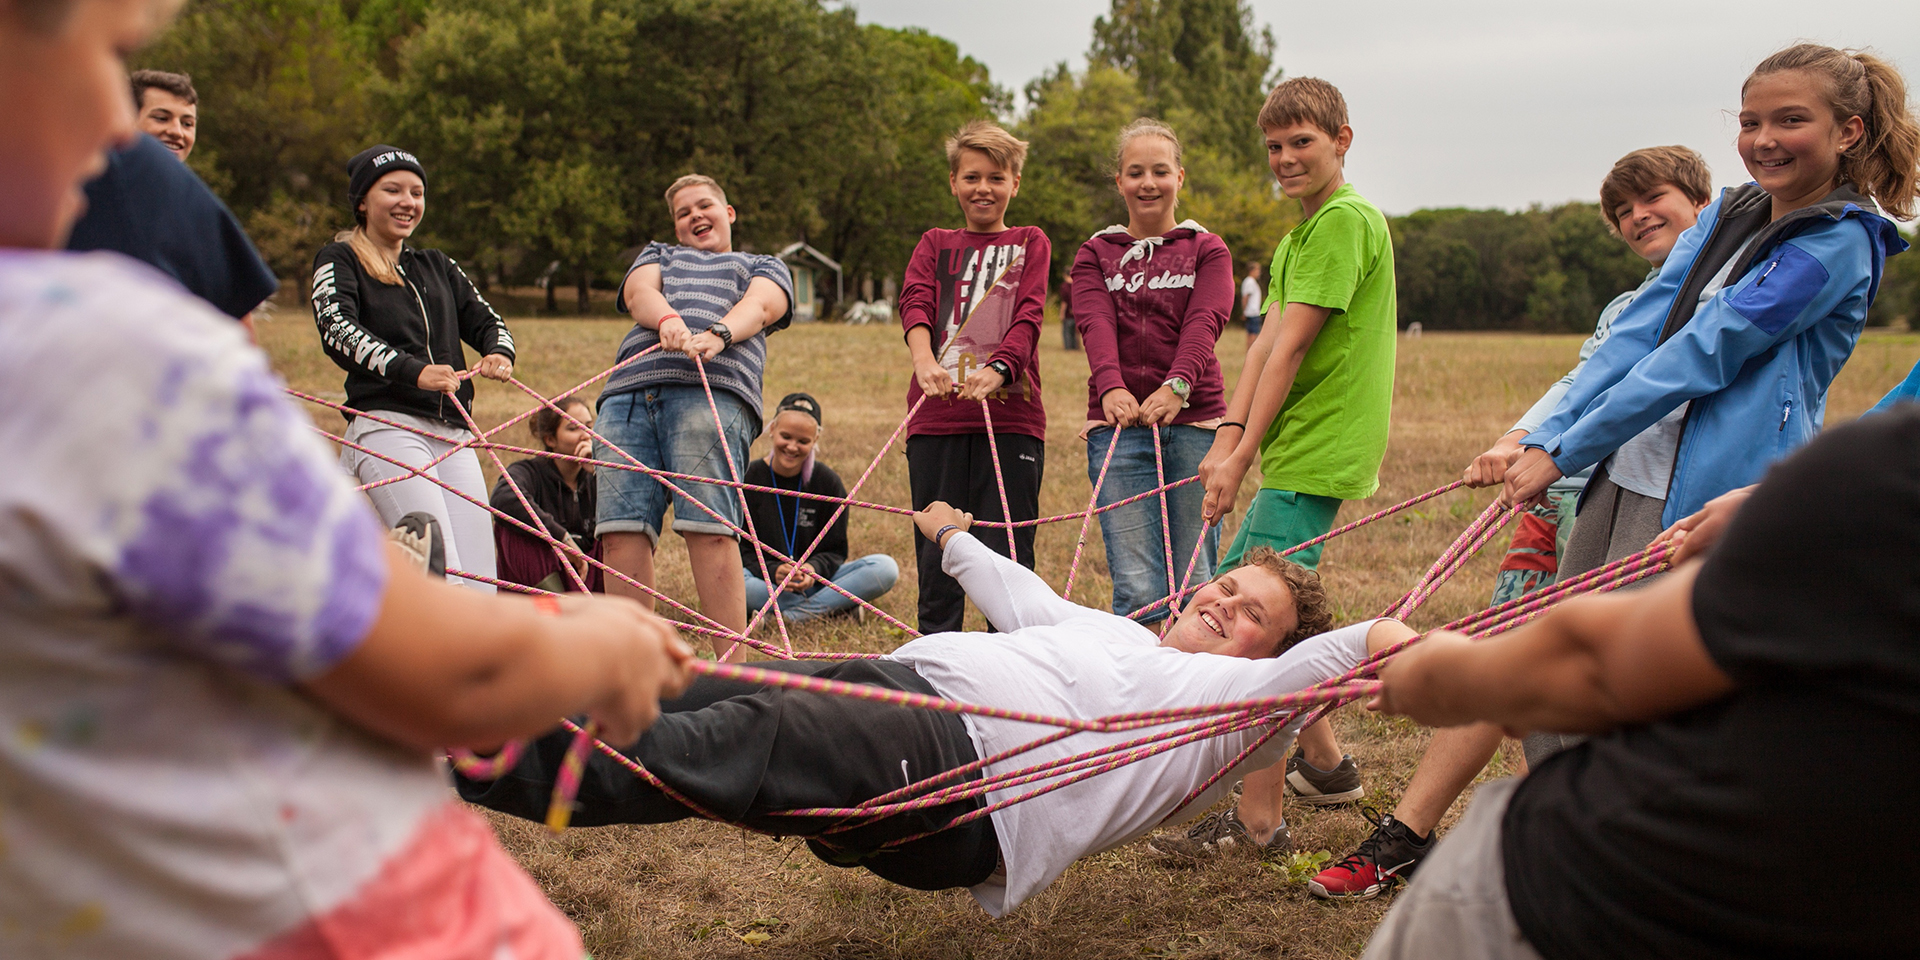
[[1331, 433]]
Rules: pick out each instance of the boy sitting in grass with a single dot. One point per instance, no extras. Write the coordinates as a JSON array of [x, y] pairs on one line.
[[1312, 407]]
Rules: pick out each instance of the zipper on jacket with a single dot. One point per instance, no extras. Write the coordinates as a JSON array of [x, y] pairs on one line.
[[1763, 279], [1785, 412], [426, 324]]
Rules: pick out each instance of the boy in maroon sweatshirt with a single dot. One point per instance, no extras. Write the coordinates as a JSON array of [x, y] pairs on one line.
[[972, 307], [1151, 299]]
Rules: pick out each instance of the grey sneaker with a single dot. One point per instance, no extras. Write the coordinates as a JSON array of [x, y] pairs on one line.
[[1317, 787], [418, 533], [1218, 833]]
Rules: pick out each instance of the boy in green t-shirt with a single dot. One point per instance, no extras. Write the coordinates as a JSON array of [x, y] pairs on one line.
[[1312, 405]]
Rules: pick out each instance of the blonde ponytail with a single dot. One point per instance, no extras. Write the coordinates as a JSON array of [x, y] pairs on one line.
[[372, 259], [1885, 162]]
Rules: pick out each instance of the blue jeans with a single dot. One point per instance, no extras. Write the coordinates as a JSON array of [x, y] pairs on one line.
[[669, 427], [1136, 545], [868, 578]]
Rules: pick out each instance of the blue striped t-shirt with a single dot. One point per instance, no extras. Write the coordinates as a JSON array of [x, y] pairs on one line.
[[701, 287]]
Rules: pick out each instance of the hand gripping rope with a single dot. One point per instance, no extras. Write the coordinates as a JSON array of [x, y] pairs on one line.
[[1176, 727]]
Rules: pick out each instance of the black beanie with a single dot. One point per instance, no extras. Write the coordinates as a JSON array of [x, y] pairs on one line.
[[802, 402], [369, 165]]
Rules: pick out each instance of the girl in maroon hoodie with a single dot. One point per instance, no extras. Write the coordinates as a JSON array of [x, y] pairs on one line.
[[1151, 299]]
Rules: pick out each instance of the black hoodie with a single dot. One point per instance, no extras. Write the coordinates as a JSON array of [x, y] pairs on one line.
[[384, 335]]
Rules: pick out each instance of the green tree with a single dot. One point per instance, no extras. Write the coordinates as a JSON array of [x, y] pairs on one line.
[[819, 129], [283, 105], [1200, 58]]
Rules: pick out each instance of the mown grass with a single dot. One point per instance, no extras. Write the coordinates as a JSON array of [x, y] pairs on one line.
[[700, 890]]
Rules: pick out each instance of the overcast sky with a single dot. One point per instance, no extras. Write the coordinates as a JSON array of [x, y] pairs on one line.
[[1483, 103]]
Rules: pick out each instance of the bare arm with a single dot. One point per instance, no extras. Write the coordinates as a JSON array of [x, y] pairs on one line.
[[1593, 664], [1272, 362], [648, 305], [447, 667]]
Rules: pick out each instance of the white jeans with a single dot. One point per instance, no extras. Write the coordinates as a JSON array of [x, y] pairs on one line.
[[466, 526]]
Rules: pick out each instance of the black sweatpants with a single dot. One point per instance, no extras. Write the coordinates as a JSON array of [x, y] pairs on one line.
[[744, 751], [959, 470]]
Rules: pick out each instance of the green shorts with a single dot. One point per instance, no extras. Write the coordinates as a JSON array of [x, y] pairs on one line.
[[1282, 519]]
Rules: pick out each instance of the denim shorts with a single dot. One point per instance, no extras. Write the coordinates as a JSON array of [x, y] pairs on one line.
[[669, 427]]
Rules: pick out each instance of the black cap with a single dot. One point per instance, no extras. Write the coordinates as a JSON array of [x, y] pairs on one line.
[[369, 165], [803, 402]]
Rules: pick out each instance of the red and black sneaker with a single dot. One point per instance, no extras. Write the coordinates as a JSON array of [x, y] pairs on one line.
[[1392, 852]]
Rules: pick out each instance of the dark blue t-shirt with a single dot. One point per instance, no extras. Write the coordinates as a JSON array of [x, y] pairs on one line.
[[151, 207]]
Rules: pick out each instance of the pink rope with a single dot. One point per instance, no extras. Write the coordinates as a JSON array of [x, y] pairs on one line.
[[993, 450], [1190, 723], [1113, 443]]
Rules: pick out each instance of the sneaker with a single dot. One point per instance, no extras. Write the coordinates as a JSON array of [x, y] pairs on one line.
[[1218, 833], [1392, 852], [418, 533], [1317, 787]]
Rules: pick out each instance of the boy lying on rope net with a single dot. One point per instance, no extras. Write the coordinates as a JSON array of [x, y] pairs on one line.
[[743, 752]]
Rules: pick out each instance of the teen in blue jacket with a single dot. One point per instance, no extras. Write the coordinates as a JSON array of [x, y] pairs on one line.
[[1755, 359], [1721, 366]]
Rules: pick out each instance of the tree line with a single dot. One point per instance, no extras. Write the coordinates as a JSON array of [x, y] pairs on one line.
[[550, 128]]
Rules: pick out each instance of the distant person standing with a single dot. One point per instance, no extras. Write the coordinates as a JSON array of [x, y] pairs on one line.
[[394, 317], [1251, 297], [157, 211]]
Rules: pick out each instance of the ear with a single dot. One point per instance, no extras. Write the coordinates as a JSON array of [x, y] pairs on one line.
[[1343, 141], [731, 216], [1850, 133], [1016, 187]]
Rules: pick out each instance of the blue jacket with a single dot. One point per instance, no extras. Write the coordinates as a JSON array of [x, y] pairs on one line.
[[1755, 360]]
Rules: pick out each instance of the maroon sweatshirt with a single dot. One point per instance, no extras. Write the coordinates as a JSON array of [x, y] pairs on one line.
[[1152, 309], [983, 295]]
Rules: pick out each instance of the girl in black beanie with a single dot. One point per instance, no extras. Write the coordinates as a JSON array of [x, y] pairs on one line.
[[394, 317]]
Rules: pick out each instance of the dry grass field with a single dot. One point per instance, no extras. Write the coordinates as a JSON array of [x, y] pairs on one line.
[[700, 890]]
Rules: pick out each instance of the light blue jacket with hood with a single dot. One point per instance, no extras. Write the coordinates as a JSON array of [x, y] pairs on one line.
[[1755, 360]]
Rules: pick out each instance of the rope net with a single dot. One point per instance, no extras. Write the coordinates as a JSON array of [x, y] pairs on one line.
[[1178, 727]]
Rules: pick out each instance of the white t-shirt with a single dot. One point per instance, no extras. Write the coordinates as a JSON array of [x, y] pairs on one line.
[[1250, 292], [177, 551], [1063, 659]]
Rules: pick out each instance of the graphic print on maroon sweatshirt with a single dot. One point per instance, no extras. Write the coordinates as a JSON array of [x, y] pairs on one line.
[[976, 307]]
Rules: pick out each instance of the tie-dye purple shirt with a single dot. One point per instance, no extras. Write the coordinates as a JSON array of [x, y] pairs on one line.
[[178, 549]]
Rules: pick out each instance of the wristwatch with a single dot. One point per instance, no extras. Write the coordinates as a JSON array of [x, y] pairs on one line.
[[720, 330], [1181, 388], [1000, 367]]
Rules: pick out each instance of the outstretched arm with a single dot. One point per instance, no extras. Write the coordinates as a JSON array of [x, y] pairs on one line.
[[1009, 594], [1593, 664]]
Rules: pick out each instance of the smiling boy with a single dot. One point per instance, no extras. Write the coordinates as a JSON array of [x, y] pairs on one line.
[[695, 300], [746, 752], [971, 308], [1311, 406]]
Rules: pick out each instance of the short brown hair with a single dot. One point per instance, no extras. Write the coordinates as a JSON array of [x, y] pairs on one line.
[[545, 424], [1309, 594], [178, 84], [1649, 167], [694, 180], [1305, 100], [1006, 150]]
